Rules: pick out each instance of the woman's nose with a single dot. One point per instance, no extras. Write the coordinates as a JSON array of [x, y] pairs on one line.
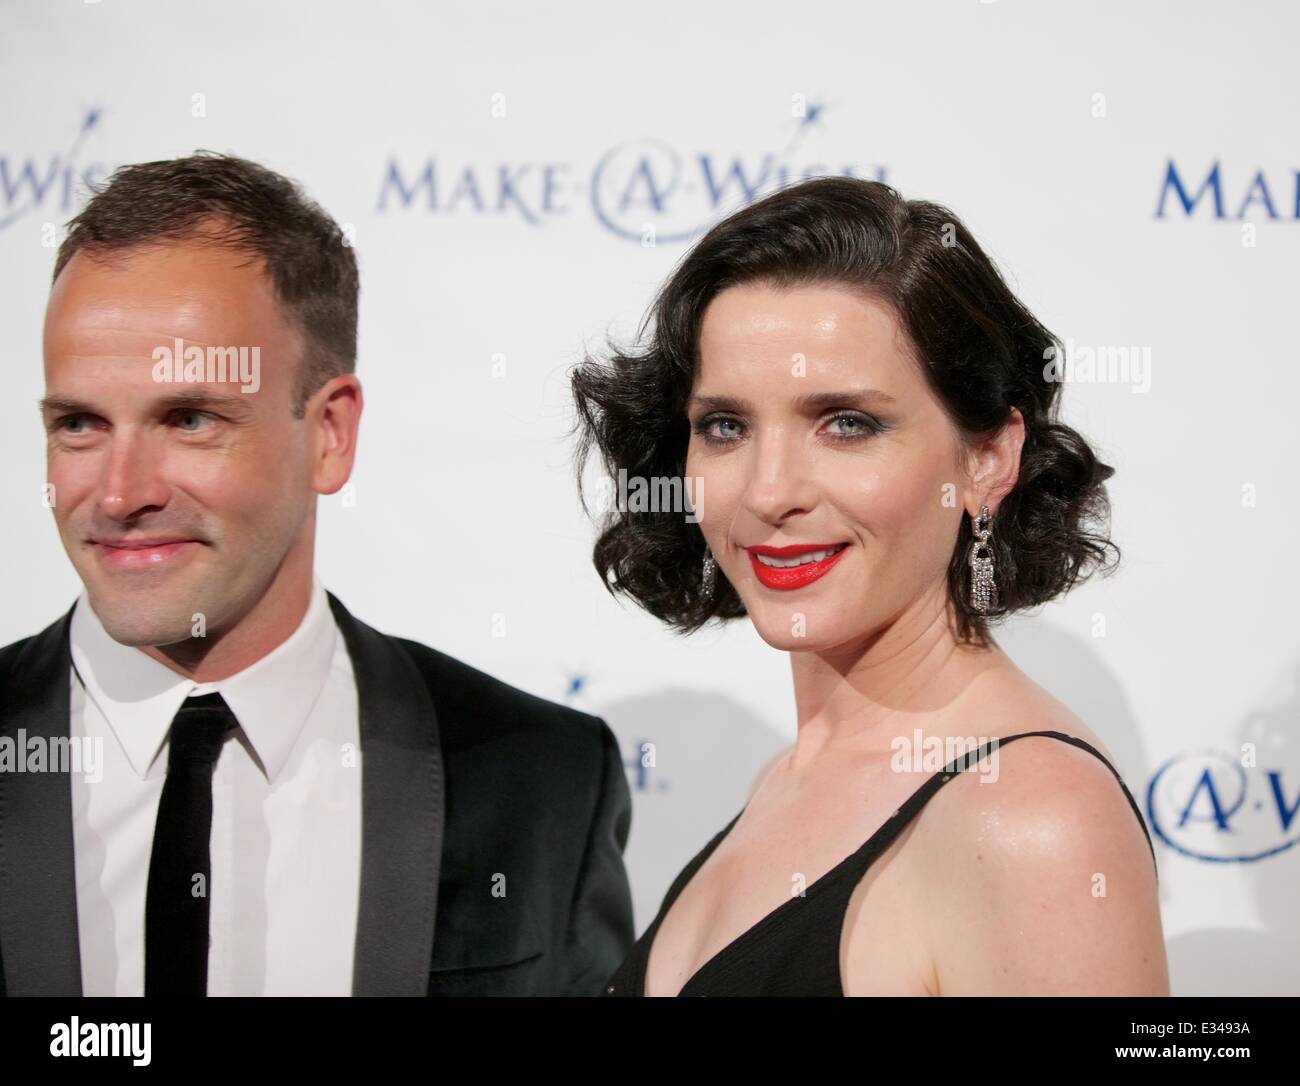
[[780, 484]]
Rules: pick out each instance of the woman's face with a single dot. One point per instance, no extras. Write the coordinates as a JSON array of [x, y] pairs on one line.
[[819, 442]]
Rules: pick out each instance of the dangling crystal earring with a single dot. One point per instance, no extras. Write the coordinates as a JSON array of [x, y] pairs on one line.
[[710, 573], [983, 591]]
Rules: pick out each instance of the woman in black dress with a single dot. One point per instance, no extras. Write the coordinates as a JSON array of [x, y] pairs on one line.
[[870, 418]]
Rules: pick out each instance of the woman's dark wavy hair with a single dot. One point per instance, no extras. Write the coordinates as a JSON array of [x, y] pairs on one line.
[[982, 350]]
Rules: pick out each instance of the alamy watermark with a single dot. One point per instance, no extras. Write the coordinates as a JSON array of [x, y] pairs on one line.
[[661, 494], [933, 754], [1099, 365], [23, 753], [208, 365]]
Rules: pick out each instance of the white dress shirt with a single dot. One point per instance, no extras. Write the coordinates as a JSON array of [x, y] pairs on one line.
[[286, 811]]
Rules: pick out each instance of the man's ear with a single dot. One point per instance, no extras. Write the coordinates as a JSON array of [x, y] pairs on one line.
[[994, 465], [335, 415]]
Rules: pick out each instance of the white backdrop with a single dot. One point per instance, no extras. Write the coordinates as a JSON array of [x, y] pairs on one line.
[[547, 131]]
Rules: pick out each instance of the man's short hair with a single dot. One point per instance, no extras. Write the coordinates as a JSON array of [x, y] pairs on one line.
[[234, 202]]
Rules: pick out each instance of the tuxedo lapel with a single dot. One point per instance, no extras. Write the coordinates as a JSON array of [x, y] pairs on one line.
[[402, 819], [38, 888], [402, 815]]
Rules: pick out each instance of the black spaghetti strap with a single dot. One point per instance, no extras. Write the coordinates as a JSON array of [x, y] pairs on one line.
[[968, 760], [795, 948]]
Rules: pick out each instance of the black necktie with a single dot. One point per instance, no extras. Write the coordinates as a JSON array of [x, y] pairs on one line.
[[176, 904]]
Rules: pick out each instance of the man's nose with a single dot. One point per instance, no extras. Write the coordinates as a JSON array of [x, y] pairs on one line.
[[132, 481]]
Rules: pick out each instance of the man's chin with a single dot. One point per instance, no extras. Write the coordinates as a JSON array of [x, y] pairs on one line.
[[142, 635], [149, 621]]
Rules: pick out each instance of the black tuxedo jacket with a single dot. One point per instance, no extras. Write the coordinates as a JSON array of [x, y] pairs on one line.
[[463, 779]]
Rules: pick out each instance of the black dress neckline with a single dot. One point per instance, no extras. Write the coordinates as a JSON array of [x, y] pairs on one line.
[[769, 920], [856, 863]]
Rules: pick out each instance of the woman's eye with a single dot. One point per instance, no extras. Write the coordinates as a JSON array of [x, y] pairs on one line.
[[719, 428], [852, 426]]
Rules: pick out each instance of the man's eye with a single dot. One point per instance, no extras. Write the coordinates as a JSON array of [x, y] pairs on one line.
[[75, 425], [191, 421]]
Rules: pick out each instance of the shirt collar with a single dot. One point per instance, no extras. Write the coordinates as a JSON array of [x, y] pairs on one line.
[[271, 698]]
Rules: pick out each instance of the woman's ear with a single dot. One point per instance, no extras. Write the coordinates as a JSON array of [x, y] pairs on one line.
[[994, 465]]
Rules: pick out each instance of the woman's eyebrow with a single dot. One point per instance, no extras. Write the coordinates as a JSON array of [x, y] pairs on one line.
[[718, 403], [820, 401], [814, 401]]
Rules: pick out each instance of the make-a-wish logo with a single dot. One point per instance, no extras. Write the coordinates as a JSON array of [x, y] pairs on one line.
[[645, 190], [1212, 807], [32, 185], [1234, 199]]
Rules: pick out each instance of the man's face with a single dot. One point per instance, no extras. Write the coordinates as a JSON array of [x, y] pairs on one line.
[[174, 498]]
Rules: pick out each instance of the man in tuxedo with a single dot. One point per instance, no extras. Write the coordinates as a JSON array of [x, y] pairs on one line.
[[286, 801]]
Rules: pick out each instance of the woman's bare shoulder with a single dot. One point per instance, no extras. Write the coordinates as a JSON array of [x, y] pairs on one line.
[[1039, 859]]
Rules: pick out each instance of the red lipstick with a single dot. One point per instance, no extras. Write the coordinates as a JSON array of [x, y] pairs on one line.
[[788, 575]]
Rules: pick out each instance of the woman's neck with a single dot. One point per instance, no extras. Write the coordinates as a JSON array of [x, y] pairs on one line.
[[860, 697]]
